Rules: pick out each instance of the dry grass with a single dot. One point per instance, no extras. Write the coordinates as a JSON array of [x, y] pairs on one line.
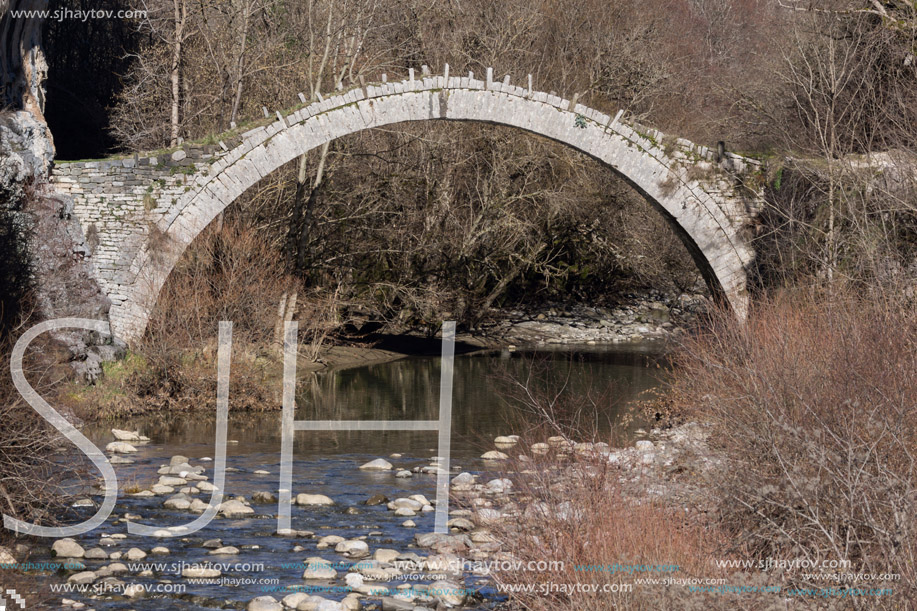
[[814, 401]]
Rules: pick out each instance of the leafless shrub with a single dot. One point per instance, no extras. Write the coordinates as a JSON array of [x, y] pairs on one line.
[[814, 400]]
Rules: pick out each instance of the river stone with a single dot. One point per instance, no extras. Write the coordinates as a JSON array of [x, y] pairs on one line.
[[408, 523], [166, 480], [205, 486], [353, 549], [328, 541], [117, 567], [404, 473], [196, 572], [228, 550], [644, 446], [160, 489], [292, 601], [499, 485], [178, 460], [199, 506], [396, 604], [82, 577], [121, 435], [67, 548], [494, 455], [313, 499], [379, 464], [463, 481], [557, 441], [404, 512], [404, 503], [540, 448], [120, 447], [234, 508], [318, 568], [6, 556], [120, 460], [159, 550], [450, 593], [386, 555], [317, 603], [134, 590], [461, 524], [264, 603], [505, 442], [377, 499], [134, 554], [177, 502], [96, 553], [263, 497]]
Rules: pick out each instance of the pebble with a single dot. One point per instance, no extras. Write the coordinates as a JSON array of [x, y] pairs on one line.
[[494, 455]]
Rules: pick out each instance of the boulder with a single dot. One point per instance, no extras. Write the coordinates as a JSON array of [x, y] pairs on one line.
[[67, 548], [379, 464]]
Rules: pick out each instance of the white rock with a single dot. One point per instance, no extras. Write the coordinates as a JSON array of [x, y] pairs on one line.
[[227, 550], [67, 548], [328, 541], [494, 455], [120, 447], [506, 442], [353, 580], [404, 473], [379, 464], [644, 446], [313, 499], [318, 568], [197, 572], [83, 577], [121, 435], [354, 548], [134, 554], [234, 508], [499, 485], [386, 555]]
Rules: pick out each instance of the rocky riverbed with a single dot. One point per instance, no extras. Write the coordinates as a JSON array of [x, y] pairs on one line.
[[368, 546], [640, 316]]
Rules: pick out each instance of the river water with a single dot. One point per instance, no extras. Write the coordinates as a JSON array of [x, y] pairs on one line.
[[485, 393]]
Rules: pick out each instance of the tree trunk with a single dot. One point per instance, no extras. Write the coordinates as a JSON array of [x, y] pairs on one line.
[[175, 71]]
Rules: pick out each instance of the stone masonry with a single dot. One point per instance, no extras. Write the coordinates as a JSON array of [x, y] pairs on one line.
[[140, 213]]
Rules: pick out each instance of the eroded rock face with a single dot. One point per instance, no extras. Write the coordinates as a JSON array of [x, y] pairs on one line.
[[55, 260]]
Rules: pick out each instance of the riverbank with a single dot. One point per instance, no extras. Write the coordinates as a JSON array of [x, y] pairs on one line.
[[173, 383]]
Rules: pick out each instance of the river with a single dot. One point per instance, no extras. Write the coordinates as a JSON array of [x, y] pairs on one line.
[[327, 463]]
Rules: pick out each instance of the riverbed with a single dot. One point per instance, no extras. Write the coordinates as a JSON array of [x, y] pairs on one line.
[[327, 463]]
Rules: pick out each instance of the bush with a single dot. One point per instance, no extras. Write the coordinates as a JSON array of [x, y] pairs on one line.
[[814, 401]]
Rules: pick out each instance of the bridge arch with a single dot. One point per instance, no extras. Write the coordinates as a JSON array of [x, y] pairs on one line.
[[686, 183]]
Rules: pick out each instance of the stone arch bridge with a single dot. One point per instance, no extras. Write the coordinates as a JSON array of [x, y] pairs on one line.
[[140, 213]]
